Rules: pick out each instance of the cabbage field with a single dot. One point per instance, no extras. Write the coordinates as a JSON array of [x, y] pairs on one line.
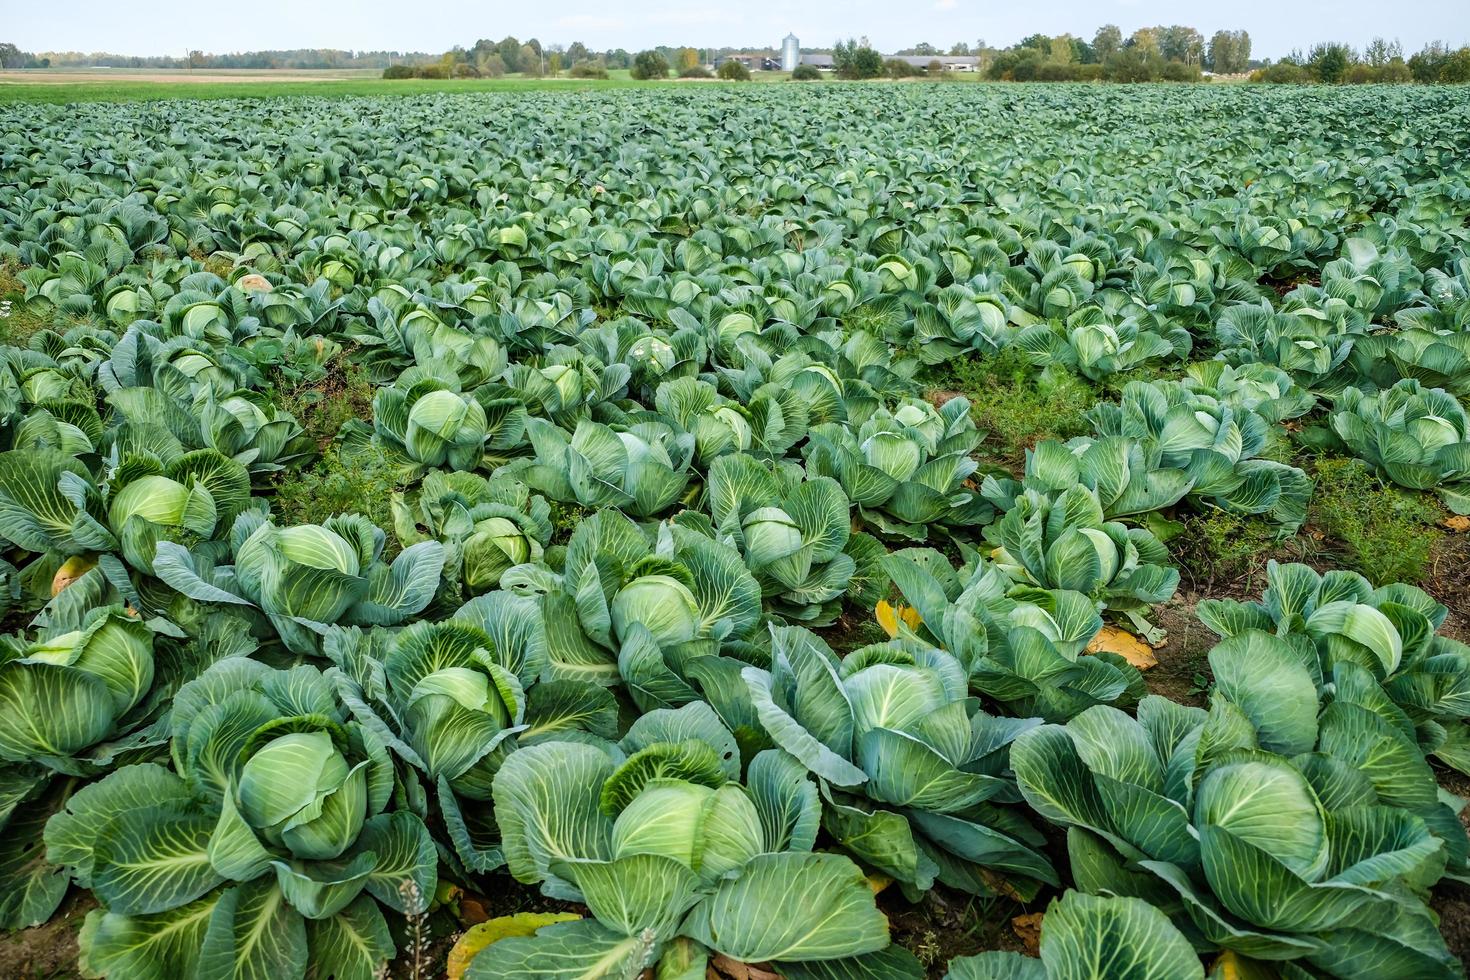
[[592, 535]]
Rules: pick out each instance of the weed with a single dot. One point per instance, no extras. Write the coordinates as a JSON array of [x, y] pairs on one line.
[[18, 323], [1384, 532], [856, 628], [323, 399], [1220, 546], [1200, 686], [565, 518], [927, 949], [331, 486], [1018, 406], [415, 907]]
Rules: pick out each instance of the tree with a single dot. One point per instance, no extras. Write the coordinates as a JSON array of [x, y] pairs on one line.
[[510, 54], [1242, 51], [852, 60], [1330, 61], [1222, 52], [960, 49], [491, 65], [531, 63], [734, 71], [1456, 68], [1375, 53], [553, 63], [1146, 40], [688, 58], [649, 64], [1107, 41], [1229, 52], [867, 63], [1182, 44], [577, 51], [1059, 50], [13, 57]]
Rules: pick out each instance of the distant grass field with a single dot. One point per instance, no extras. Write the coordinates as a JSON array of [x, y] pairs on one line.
[[62, 86], [141, 90]]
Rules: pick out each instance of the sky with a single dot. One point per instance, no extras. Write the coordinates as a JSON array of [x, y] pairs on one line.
[[146, 27]]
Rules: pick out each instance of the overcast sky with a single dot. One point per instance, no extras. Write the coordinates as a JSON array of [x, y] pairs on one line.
[[174, 26]]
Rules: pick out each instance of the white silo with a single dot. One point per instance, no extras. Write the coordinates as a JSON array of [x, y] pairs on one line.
[[790, 53]]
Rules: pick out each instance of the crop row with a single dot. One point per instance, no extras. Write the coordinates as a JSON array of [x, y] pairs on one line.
[[649, 376]]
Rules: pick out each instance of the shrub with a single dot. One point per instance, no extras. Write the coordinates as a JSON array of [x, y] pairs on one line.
[[1387, 534], [1395, 71], [588, 69], [1175, 71], [734, 71], [649, 64], [465, 70], [898, 68], [1281, 73], [431, 71], [398, 71], [697, 71], [805, 73]]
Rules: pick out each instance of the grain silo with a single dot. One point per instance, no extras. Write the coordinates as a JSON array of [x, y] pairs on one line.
[[790, 53]]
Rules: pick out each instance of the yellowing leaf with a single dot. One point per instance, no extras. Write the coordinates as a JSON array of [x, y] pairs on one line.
[[1124, 644], [890, 616], [253, 282], [71, 570], [997, 883], [1226, 967], [878, 882], [1458, 524], [492, 931], [1028, 930], [1231, 966], [727, 969]]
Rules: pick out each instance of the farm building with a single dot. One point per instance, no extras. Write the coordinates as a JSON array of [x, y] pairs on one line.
[[951, 62]]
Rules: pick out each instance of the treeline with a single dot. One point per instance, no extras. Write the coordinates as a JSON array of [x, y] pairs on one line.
[[1164, 53], [510, 56], [1173, 53], [1332, 63], [13, 57], [294, 58]]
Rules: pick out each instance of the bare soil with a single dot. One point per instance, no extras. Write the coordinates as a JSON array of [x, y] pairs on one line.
[[946, 923], [47, 952]]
